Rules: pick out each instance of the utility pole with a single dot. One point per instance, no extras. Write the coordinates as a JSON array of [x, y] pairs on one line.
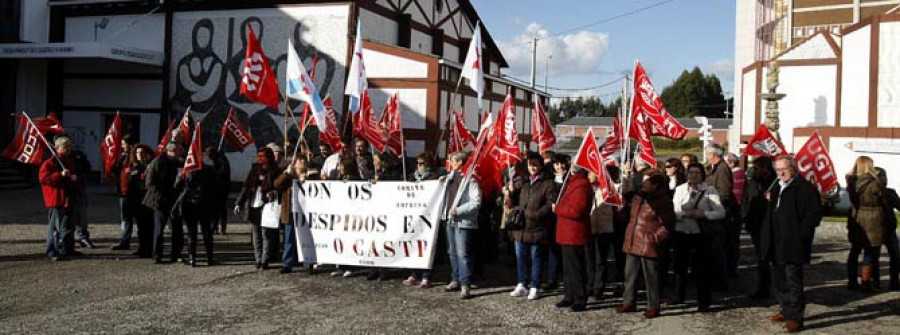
[[534, 41]]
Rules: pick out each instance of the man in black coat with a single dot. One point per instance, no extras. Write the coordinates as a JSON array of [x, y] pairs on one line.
[[753, 211], [793, 213], [160, 197]]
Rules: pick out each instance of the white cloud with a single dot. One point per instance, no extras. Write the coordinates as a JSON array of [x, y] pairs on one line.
[[723, 68], [577, 53]]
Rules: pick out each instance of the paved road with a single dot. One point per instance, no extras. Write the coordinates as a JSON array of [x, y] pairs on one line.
[[112, 292]]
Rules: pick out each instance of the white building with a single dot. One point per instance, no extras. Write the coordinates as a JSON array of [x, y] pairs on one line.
[[840, 68], [151, 59]]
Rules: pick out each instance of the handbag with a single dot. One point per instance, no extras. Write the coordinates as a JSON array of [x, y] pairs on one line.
[[515, 219], [271, 215], [707, 227]]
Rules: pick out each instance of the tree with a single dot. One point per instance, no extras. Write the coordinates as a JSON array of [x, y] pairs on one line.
[[694, 94]]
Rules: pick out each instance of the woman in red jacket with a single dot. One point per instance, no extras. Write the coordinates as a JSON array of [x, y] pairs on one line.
[[573, 231]]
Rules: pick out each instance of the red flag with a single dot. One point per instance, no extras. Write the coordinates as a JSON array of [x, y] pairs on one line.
[[185, 126], [589, 158], [392, 126], [647, 102], [541, 130], [640, 130], [460, 137], [612, 146], [161, 148], [764, 143], [329, 133], [257, 79], [505, 134], [111, 148], [814, 164], [365, 125], [194, 159], [48, 124], [26, 146], [235, 133]]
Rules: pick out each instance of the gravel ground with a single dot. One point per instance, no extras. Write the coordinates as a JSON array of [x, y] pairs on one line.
[[113, 292]]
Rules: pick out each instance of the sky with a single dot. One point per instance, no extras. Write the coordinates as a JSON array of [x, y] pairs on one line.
[[672, 36]]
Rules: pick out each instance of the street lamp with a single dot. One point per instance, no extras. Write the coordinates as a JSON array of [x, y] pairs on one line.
[[100, 24]]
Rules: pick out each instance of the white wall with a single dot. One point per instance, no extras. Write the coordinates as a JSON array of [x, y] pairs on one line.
[[420, 42], [810, 99], [889, 75], [382, 65], [136, 31], [855, 78], [413, 104], [35, 24], [844, 159], [378, 28], [748, 104]]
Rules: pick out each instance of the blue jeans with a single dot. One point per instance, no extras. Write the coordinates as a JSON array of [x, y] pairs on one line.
[[127, 221], [522, 266], [289, 255], [79, 218], [458, 241], [60, 239]]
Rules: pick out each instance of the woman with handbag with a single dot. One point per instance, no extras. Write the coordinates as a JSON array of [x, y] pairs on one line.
[[864, 223], [535, 199], [258, 190], [696, 204], [652, 221]]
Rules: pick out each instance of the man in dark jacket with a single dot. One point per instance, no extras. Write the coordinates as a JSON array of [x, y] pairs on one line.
[[125, 215], [753, 211], [160, 196], [219, 205], [891, 201], [793, 213], [723, 249]]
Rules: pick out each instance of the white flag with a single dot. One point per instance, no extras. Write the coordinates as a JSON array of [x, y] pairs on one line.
[[356, 78], [472, 69], [301, 87]]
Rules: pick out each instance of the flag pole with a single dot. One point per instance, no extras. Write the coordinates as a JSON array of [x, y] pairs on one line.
[[52, 151], [222, 133]]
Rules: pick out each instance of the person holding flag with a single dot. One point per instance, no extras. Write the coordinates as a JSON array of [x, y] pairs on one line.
[[573, 231], [61, 187], [462, 202], [536, 197]]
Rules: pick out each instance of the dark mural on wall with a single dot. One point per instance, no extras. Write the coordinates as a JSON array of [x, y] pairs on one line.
[[208, 56]]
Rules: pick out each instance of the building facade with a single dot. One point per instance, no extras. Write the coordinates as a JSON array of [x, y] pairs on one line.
[[838, 66], [151, 60]]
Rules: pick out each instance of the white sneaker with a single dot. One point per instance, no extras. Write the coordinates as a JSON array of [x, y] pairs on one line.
[[336, 273], [520, 291], [533, 293], [348, 274]]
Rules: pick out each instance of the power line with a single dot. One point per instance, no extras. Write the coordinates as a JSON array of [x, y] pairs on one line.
[[595, 23]]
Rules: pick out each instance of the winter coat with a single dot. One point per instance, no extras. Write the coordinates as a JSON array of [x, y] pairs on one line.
[[469, 203], [196, 193], [535, 199], [284, 184], [652, 221], [160, 184], [251, 183], [869, 214], [788, 228], [222, 169], [719, 176], [687, 199], [573, 212], [890, 201], [753, 207], [602, 215], [135, 174], [56, 188]]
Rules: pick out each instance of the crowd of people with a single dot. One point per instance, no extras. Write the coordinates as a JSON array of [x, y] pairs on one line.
[[681, 221]]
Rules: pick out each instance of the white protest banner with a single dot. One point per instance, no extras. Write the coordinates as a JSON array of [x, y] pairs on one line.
[[386, 224]]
